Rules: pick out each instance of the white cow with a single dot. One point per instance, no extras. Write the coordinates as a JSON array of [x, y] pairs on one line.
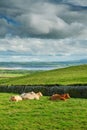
[[31, 95], [16, 98]]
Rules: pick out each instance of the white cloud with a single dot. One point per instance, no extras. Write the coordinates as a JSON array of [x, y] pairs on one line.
[[34, 47]]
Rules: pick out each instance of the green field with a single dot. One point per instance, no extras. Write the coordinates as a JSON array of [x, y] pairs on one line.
[[65, 76], [13, 73], [42, 114]]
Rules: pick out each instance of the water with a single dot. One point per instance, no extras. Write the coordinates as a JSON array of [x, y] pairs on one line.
[[36, 65]]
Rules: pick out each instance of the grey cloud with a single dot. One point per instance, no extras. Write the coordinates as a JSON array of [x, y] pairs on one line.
[[3, 27], [77, 2], [42, 19]]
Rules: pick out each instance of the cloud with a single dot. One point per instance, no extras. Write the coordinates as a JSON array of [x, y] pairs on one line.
[[29, 49], [77, 2], [43, 29], [43, 18]]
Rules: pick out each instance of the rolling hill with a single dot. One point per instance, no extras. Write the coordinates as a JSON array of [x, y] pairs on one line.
[[64, 76]]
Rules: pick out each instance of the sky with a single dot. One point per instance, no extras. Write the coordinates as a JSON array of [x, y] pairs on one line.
[[43, 30]]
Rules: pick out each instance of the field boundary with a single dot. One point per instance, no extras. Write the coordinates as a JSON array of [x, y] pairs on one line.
[[47, 90]]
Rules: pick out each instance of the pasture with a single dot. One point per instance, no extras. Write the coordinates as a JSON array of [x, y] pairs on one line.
[[5, 73], [42, 114], [64, 76]]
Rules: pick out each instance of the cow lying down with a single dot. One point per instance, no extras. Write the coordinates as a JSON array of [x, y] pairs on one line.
[[16, 98], [60, 97], [31, 95], [26, 96]]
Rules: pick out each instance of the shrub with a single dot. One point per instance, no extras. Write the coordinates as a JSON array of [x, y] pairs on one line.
[[74, 91]]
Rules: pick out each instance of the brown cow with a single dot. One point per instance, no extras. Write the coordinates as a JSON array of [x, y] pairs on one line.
[[66, 95], [60, 97]]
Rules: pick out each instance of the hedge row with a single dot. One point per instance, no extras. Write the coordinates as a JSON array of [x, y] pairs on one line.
[[74, 91]]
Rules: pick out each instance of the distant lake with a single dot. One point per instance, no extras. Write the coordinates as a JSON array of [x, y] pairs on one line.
[[36, 65]]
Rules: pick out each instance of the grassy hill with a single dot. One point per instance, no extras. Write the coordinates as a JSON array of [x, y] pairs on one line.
[[64, 76]]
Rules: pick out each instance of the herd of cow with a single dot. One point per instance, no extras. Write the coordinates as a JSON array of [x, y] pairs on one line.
[[33, 95]]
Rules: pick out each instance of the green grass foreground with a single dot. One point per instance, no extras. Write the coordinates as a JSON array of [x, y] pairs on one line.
[[42, 114], [64, 76]]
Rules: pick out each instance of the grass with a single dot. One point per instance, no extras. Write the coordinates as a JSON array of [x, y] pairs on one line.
[[42, 114], [65, 76], [12, 73]]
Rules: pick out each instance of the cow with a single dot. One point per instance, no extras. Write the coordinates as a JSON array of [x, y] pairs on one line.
[[66, 95], [16, 98], [31, 95], [60, 97]]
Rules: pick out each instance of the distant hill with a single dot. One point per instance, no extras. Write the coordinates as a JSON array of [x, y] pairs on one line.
[[40, 65], [64, 76], [83, 61]]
